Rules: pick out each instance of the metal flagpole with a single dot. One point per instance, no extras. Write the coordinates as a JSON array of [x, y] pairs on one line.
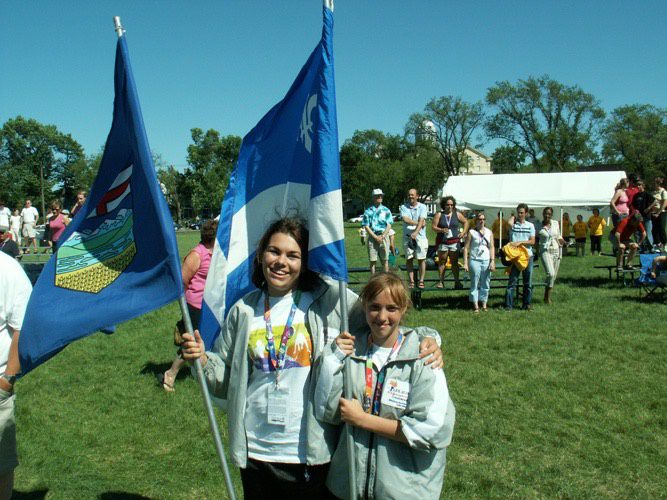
[[347, 393], [198, 367], [347, 375]]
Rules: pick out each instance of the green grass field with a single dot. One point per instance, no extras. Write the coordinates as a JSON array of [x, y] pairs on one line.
[[567, 401]]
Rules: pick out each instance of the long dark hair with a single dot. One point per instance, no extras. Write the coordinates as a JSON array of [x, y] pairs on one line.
[[296, 228]]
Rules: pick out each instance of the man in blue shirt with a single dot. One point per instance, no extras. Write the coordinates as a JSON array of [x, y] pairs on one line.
[[522, 233], [376, 222], [415, 243]]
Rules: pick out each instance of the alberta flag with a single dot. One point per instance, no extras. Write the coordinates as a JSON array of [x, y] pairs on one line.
[[118, 258], [288, 166]]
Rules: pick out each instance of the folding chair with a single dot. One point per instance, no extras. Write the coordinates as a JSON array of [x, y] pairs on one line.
[[648, 286]]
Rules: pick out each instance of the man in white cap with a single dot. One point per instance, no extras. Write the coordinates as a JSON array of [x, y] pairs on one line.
[[415, 242], [377, 223]]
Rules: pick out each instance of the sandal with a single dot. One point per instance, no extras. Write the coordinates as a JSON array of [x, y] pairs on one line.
[[421, 284], [475, 311], [166, 386], [440, 285], [411, 285]]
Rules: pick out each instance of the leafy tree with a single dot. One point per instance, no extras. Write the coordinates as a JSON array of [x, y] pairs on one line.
[[175, 186], [553, 124], [211, 159], [507, 159], [636, 136], [33, 157], [446, 127]]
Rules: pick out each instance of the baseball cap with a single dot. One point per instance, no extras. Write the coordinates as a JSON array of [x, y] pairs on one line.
[[377, 192]]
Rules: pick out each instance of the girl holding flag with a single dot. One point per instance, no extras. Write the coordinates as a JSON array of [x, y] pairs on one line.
[[261, 366], [401, 415]]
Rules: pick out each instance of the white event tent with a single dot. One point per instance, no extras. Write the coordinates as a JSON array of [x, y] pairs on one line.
[[557, 190]]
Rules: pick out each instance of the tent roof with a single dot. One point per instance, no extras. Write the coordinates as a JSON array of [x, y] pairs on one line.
[[562, 189]]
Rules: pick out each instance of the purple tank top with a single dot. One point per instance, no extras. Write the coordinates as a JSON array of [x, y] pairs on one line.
[[195, 290]]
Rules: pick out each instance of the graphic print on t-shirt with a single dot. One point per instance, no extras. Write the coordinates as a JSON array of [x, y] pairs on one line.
[[299, 348]]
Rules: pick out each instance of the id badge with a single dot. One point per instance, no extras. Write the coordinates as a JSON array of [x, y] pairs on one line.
[[278, 398], [396, 393]]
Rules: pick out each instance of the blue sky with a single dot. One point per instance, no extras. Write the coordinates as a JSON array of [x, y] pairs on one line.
[[223, 64]]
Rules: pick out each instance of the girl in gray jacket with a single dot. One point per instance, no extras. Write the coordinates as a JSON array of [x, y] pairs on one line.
[[263, 368], [401, 416]]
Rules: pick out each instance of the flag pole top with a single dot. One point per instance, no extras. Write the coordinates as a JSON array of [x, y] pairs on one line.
[[329, 4], [117, 26]]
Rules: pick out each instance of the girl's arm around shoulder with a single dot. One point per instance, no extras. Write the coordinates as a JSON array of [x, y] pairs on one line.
[[428, 421]]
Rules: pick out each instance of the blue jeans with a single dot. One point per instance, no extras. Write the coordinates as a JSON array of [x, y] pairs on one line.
[[648, 225], [480, 279], [527, 285]]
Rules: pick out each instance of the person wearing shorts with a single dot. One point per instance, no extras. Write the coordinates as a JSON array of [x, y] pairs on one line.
[[15, 291], [450, 226], [415, 242], [624, 232], [29, 215], [377, 222]]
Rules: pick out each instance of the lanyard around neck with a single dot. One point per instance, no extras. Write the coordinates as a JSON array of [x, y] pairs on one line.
[[278, 360], [372, 398]]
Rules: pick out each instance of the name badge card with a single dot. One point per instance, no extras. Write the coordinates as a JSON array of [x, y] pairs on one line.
[[278, 405], [396, 393]]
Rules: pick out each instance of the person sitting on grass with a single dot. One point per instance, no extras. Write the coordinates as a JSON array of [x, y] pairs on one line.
[[624, 233], [400, 414]]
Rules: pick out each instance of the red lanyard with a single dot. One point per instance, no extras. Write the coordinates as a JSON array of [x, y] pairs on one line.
[[372, 398]]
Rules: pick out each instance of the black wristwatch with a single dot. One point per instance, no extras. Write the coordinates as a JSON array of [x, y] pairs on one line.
[[9, 378]]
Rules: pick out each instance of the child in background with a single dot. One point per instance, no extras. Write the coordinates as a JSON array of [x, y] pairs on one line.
[[596, 226], [580, 230], [566, 230], [400, 414]]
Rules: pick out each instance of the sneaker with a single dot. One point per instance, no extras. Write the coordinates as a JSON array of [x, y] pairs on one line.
[[629, 267]]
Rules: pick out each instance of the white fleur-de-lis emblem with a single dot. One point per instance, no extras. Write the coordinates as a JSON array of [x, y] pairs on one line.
[[307, 123]]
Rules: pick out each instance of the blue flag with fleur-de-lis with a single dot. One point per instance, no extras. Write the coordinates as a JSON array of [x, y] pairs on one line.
[[288, 165]]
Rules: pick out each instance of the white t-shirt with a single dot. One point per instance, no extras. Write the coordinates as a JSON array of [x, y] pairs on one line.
[[269, 442], [15, 291], [5, 213], [15, 222], [414, 213], [29, 214]]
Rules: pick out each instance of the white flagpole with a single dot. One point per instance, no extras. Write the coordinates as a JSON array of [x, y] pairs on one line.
[[200, 372]]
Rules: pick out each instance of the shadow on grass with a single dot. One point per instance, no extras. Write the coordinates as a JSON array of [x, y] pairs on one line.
[[156, 369], [587, 281], [440, 301], [121, 495], [29, 495]]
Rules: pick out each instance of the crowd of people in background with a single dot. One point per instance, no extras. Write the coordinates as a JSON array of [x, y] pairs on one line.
[[638, 223], [19, 228]]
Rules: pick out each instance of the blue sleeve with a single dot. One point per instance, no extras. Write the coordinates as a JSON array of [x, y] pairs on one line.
[[532, 229], [422, 212], [364, 219]]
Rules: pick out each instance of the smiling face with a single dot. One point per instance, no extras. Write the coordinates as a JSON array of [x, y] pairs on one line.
[[281, 264], [383, 316], [412, 197], [521, 214]]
